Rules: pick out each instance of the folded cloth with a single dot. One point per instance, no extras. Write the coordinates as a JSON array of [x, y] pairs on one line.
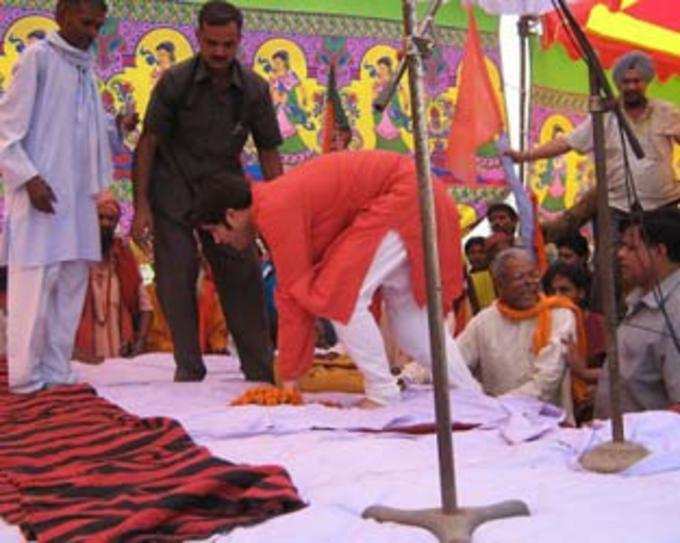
[[75, 467]]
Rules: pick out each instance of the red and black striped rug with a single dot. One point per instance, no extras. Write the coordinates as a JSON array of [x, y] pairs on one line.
[[75, 467]]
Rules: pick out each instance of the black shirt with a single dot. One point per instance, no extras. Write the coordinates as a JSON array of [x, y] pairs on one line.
[[203, 130]]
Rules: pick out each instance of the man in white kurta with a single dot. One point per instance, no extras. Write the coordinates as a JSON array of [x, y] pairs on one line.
[[54, 159], [499, 342]]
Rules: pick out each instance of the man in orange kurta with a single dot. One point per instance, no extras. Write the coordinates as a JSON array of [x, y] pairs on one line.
[[338, 228]]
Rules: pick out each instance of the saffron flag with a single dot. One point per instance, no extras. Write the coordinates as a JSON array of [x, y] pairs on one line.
[[477, 119], [334, 118]]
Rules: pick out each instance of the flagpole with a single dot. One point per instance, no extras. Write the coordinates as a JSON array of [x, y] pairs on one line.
[[523, 30], [449, 523]]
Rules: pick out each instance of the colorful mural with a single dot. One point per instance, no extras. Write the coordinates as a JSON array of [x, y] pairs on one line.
[[293, 52], [560, 83]]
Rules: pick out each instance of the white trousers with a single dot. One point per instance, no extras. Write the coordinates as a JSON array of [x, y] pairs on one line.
[[361, 336], [44, 305]]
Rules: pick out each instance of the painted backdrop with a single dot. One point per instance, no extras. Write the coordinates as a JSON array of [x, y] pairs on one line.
[[560, 84], [292, 50]]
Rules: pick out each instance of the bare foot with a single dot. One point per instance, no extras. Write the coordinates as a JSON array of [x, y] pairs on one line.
[[368, 404]]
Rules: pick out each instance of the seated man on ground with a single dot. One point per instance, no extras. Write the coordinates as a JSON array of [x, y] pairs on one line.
[[649, 335], [213, 333], [339, 227], [573, 282], [519, 344], [117, 311], [572, 249], [480, 287]]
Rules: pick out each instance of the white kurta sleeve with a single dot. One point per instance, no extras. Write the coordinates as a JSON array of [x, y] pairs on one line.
[[550, 364], [16, 112], [468, 343]]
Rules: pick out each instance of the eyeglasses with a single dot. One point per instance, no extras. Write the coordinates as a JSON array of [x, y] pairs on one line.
[[531, 275]]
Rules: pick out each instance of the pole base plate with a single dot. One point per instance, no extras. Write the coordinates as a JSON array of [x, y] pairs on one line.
[[448, 528], [613, 456]]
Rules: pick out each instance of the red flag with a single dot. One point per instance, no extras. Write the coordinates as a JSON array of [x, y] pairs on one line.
[[478, 117]]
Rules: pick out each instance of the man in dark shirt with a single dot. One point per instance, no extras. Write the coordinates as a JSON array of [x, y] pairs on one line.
[[197, 122]]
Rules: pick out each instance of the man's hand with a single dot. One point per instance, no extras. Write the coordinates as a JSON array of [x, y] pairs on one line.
[[130, 350], [515, 156], [41, 194], [142, 225]]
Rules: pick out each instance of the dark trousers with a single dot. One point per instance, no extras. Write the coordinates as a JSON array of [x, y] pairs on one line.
[[238, 280]]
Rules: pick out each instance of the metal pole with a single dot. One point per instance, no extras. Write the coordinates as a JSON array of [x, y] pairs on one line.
[[429, 233], [523, 31], [606, 255]]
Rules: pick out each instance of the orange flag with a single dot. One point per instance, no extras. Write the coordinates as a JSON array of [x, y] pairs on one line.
[[477, 118]]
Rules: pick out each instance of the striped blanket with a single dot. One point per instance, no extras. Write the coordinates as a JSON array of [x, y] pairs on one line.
[[75, 467]]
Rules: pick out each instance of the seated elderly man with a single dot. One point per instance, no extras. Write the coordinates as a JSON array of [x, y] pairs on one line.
[[117, 311], [519, 344]]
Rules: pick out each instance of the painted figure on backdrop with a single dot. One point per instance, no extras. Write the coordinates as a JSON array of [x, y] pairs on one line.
[[389, 123], [108, 43], [554, 178], [161, 58], [289, 98], [165, 58], [33, 36]]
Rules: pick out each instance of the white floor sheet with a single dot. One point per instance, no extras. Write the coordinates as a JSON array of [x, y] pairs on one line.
[[518, 452]]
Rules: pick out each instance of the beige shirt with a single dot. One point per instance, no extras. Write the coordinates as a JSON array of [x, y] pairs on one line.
[[498, 350], [654, 176]]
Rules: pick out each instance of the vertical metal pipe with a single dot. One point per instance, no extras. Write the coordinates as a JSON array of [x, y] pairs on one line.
[[429, 234], [523, 31], [606, 256]]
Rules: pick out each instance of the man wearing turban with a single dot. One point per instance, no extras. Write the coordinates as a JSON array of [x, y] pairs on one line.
[[656, 124]]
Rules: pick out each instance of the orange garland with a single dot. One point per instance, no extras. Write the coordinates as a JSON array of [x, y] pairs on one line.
[[268, 395]]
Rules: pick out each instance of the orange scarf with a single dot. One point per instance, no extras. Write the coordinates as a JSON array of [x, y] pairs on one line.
[[579, 389], [544, 321]]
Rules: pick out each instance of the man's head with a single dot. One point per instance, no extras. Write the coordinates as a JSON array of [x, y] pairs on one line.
[[224, 210], [502, 218], [219, 34], [632, 73], [476, 253], [516, 278], [573, 249], [80, 21], [567, 280], [650, 248], [108, 211]]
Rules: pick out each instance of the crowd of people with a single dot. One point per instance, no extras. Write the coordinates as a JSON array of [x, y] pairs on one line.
[[306, 257]]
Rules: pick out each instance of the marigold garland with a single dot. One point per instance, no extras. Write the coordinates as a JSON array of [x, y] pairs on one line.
[[266, 395]]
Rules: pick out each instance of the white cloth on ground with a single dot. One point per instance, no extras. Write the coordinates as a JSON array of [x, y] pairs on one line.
[[52, 124], [658, 431], [44, 307], [408, 322]]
